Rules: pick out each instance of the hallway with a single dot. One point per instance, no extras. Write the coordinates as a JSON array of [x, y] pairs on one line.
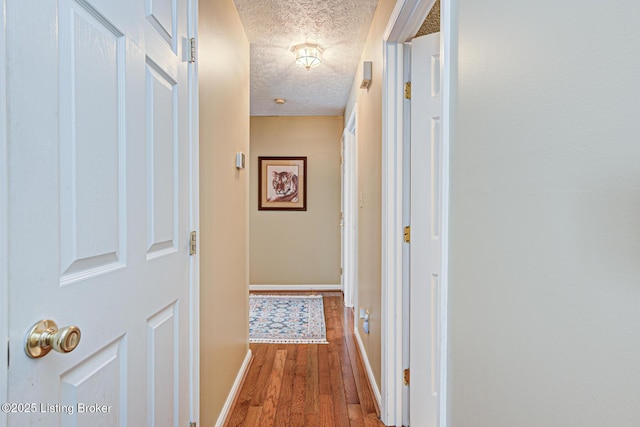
[[308, 384]]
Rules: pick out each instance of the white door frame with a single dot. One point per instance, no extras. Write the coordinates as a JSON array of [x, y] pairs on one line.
[[4, 220], [404, 22], [194, 221], [349, 209], [406, 219]]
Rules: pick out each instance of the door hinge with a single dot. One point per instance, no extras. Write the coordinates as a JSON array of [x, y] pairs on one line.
[[407, 376], [341, 271], [192, 49], [407, 234], [407, 90], [193, 243]]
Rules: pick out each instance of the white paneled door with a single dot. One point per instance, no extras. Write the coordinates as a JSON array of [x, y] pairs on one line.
[[426, 232], [99, 210]]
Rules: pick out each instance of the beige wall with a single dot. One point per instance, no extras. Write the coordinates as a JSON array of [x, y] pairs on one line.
[[298, 247], [545, 215], [369, 152], [224, 129]]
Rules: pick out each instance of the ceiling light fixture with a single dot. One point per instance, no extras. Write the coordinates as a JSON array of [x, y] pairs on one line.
[[308, 55]]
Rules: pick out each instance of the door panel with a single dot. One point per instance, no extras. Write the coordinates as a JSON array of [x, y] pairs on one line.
[[426, 227], [91, 212], [103, 374], [163, 346], [162, 147], [99, 190], [162, 17]]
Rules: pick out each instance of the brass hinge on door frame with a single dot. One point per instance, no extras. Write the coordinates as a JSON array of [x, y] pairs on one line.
[[407, 90], [193, 240], [192, 49], [407, 376], [407, 234]]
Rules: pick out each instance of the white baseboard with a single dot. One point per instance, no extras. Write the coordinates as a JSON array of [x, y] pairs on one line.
[[296, 287], [367, 366], [234, 390]]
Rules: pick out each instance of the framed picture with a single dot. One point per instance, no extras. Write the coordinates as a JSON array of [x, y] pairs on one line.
[[282, 183]]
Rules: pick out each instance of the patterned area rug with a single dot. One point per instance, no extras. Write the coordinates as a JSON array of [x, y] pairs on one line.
[[282, 319]]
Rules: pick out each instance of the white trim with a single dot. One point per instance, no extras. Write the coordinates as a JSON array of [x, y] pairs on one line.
[[356, 214], [349, 208], [296, 287], [406, 19], [351, 123], [4, 220], [406, 219], [446, 34], [367, 366], [194, 222], [392, 242], [234, 390], [343, 196]]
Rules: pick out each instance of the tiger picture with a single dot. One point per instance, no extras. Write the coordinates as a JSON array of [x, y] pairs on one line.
[[282, 183], [285, 186]]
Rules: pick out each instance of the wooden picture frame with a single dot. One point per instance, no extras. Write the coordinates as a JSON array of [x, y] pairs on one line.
[[282, 183]]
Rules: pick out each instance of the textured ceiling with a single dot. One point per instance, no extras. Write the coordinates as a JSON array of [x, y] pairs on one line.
[[431, 23], [339, 27]]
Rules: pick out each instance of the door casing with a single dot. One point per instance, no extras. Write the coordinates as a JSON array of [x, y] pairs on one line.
[[350, 211], [194, 219], [405, 20], [4, 225]]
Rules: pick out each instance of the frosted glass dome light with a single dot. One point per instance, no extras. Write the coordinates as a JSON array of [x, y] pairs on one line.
[[308, 55]]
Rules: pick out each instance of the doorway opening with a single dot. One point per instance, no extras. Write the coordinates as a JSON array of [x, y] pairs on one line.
[[404, 23], [348, 220]]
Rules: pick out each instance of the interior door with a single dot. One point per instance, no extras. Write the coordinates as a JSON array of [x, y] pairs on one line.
[[98, 212], [426, 231]]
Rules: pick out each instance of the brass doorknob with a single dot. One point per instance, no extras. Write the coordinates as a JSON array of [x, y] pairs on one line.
[[45, 336]]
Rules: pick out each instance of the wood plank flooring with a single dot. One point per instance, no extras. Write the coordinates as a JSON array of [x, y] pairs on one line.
[[308, 384]]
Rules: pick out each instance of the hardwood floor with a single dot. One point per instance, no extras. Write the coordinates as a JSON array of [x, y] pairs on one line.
[[308, 384]]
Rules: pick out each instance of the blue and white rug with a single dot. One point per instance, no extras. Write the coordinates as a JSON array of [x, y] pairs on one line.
[[283, 319]]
